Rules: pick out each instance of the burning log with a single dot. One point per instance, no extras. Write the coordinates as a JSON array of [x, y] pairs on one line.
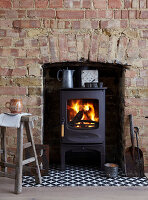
[[77, 118]]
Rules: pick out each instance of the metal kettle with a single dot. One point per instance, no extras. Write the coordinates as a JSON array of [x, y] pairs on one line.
[[67, 78]]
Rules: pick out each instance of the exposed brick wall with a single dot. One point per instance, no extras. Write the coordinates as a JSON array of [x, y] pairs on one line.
[[36, 31]]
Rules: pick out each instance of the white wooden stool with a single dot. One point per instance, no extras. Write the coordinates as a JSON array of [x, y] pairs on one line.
[[26, 121]]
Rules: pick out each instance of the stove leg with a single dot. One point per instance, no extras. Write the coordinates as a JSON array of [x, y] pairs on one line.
[[102, 162], [102, 158], [62, 159]]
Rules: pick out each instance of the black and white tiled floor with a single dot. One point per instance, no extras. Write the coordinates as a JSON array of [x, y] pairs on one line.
[[82, 176]]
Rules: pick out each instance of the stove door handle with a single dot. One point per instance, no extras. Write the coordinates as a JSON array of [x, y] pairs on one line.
[[62, 129]]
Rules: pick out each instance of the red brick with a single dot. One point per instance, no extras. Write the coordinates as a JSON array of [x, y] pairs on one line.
[[2, 13], [26, 24], [75, 24], [21, 13], [94, 48], [85, 24], [12, 33], [132, 14], [123, 24], [13, 90], [144, 34], [139, 81], [124, 14], [33, 52], [5, 42], [145, 63], [144, 15], [130, 73], [135, 4], [23, 4], [41, 3], [143, 53], [108, 14], [53, 24], [9, 52], [67, 24], [103, 41], [77, 14], [5, 4], [3, 100], [9, 14], [104, 24], [46, 23], [68, 3], [130, 111], [43, 41], [44, 59], [114, 24], [72, 49], [132, 49], [142, 44], [86, 46], [2, 33], [142, 3], [114, 3], [34, 43], [101, 4], [127, 3], [86, 4], [76, 4], [56, 3], [4, 61], [136, 102], [23, 62], [13, 72], [141, 24], [19, 43], [94, 24], [144, 112], [6, 23], [35, 111], [128, 82], [32, 101], [61, 24], [53, 48], [41, 13], [117, 14], [63, 46], [20, 62], [144, 73], [90, 14], [22, 33]]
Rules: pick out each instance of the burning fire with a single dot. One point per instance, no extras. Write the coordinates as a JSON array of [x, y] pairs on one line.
[[87, 109]]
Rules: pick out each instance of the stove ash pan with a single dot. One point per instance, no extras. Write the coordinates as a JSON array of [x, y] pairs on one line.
[[82, 115]]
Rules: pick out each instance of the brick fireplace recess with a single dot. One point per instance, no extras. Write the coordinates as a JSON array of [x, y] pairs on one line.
[[34, 32], [82, 113]]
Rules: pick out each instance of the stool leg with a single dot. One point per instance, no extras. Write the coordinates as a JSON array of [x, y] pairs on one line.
[[19, 159], [3, 147], [30, 139]]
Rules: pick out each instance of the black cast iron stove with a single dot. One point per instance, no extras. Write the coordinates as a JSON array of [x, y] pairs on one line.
[[82, 118]]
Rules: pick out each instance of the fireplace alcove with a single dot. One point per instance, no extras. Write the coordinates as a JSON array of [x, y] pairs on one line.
[[112, 76]]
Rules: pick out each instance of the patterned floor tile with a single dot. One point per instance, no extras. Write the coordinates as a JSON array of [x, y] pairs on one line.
[[82, 176]]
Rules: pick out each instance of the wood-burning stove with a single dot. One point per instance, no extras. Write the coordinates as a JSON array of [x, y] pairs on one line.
[[82, 118]]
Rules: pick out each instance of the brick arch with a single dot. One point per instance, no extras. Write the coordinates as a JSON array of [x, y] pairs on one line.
[[96, 47]]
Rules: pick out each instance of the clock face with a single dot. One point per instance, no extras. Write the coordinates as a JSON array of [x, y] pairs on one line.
[[88, 76]]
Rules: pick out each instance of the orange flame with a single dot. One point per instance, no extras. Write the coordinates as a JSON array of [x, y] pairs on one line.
[[88, 109]]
